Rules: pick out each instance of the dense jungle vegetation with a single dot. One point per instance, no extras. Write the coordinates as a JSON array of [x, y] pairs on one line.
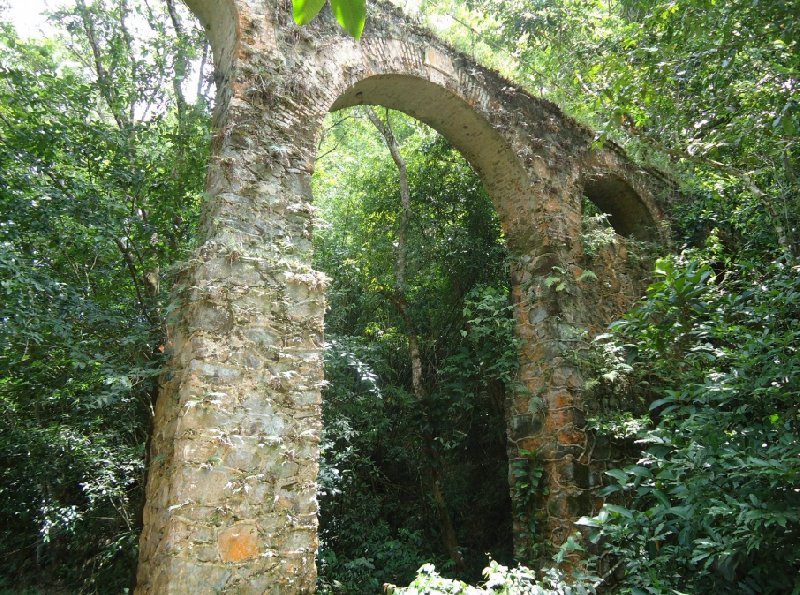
[[104, 139]]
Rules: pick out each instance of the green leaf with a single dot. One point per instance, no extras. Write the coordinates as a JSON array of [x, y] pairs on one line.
[[660, 402], [304, 11], [610, 489], [585, 521], [661, 497], [639, 471], [351, 15], [550, 281], [618, 474], [619, 510]]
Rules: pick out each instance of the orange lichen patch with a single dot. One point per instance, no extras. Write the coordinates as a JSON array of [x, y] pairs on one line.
[[531, 443], [571, 437], [561, 418], [521, 403], [238, 543], [562, 399]]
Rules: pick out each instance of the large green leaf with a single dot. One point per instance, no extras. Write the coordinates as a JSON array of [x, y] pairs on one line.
[[351, 15], [305, 10]]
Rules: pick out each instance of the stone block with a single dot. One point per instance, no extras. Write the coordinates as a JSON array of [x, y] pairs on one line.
[[238, 543], [177, 576]]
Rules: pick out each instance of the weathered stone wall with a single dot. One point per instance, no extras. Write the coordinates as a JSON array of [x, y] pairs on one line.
[[231, 493]]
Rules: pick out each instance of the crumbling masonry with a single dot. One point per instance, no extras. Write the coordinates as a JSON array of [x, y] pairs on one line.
[[231, 497]]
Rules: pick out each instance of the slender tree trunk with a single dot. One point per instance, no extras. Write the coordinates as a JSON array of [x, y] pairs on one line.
[[181, 70], [434, 471]]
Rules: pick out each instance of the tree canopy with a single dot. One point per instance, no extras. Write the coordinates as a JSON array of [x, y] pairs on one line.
[[101, 163], [390, 435]]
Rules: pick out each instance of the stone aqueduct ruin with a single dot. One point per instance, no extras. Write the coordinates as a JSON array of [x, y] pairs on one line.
[[231, 496]]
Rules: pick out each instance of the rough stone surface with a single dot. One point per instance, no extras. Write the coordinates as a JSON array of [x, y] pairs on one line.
[[231, 496]]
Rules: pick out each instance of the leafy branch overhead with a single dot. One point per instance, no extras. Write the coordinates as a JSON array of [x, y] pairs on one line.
[[351, 14]]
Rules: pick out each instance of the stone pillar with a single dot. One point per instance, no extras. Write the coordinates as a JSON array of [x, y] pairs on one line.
[[546, 418], [231, 496]]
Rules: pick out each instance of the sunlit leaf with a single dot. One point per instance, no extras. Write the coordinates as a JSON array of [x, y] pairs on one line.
[[351, 14], [304, 11]]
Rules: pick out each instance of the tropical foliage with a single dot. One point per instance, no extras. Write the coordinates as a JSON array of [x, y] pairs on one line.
[[380, 518], [712, 503], [101, 162], [103, 144]]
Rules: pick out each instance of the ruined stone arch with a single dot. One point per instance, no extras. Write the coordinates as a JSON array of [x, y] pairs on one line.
[[450, 114], [628, 210], [231, 489]]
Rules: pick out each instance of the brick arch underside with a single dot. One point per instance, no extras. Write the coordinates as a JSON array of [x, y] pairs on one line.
[[520, 146], [512, 140], [451, 116]]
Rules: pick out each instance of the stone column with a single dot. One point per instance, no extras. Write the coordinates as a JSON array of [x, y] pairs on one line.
[[231, 496], [546, 418]]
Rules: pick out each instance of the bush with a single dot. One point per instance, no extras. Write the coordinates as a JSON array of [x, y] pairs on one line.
[[713, 504]]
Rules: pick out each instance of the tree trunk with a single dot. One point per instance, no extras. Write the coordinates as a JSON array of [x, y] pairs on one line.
[[434, 470]]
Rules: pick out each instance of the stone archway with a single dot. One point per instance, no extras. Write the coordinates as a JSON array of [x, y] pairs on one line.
[[231, 495]]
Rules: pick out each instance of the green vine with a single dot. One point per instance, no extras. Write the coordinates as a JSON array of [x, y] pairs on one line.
[[527, 472]]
